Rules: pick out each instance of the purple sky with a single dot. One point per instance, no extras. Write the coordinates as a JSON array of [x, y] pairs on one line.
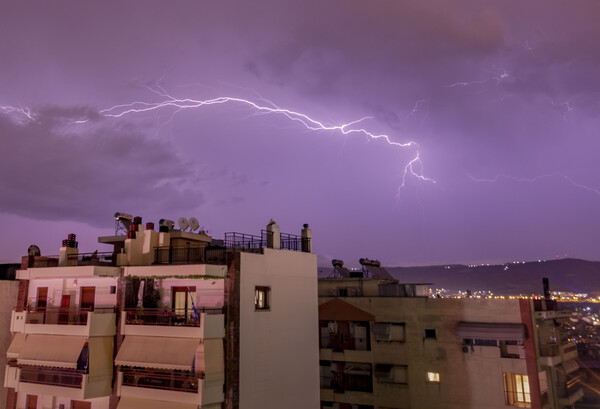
[[502, 98]]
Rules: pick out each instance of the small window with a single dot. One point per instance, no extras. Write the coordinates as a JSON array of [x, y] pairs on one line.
[[433, 376], [262, 298], [113, 289], [430, 333]]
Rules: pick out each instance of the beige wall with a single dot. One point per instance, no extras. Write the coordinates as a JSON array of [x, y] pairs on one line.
[[8, 302], [279, 348], [467, 380]]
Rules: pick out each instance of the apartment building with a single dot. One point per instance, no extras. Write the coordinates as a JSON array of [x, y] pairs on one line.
[[388, 345], [167, 319]]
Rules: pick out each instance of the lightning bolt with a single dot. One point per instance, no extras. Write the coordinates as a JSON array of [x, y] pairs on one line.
[[22, 114], [535, 179], [413, 168]]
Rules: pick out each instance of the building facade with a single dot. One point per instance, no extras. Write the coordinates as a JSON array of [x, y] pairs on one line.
[[167, 319], [387, 345]]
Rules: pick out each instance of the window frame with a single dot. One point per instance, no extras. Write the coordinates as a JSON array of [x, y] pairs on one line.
[[265, 305], [432, 377]]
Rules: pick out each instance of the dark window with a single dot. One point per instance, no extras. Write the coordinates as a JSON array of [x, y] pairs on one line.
[[262, 298], [31, 401], [113, 289], [88, 295], [430, 333]]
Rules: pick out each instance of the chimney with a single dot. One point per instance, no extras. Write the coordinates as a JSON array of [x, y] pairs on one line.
[[273, 235], [68, 252], [306, 239]]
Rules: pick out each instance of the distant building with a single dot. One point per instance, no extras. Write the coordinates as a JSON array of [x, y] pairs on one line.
[[168, 319], [388, 345]]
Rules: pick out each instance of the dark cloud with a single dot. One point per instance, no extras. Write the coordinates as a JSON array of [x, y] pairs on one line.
[[53, 176]]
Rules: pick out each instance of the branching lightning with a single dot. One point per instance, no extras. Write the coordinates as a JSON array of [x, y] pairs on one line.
[[535, 179], [413, 168], [21, 114]]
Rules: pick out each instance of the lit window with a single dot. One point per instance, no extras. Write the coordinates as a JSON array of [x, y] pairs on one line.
[[261, 298], [516, 390], [433, 376]]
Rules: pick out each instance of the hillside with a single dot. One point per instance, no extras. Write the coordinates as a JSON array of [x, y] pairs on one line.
[[579, 276]]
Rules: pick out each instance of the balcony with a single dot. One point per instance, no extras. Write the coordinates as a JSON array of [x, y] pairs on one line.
[[189, 255], [210, 322], [181, 381], [347, 382], [68, 383], [571, 397], [553, 354], [68, 378], [61, 321], [169, 386]]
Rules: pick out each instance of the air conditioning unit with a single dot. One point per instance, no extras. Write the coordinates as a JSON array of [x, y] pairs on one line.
[[332, 327]]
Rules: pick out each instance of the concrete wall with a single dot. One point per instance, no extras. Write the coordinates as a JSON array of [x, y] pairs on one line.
[[467, 380], [279, 347], [8, 302]]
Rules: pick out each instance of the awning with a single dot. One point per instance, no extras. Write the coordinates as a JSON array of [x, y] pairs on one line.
[[339, 310], [158, 352], [60, 351], [127, 402], [569, 366], [15, 346], [489, 330]]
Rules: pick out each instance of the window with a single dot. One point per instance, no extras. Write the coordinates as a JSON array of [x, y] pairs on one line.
[[262, 298], [516, 390], [183, 301], [113, 289], [430, 333], [389, 332], [391, 373], [433, 376]]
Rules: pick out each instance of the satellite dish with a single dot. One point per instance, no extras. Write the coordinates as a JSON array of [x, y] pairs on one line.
[[194, 223], [183, 223], [33, 250]]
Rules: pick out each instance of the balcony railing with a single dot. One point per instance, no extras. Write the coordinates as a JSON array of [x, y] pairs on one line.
[[155, 316], [345, 341], [62, 316], [94, 259], [181, 381], [69, 378], [549, 349], [347, 382], [189, 255]]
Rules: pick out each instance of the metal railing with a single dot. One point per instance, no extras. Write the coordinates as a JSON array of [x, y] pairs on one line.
[[189, 255], [94, 259], [347, 382], [181, 381], [62, 316], [155, 316], [70, 378], [241, 241]]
